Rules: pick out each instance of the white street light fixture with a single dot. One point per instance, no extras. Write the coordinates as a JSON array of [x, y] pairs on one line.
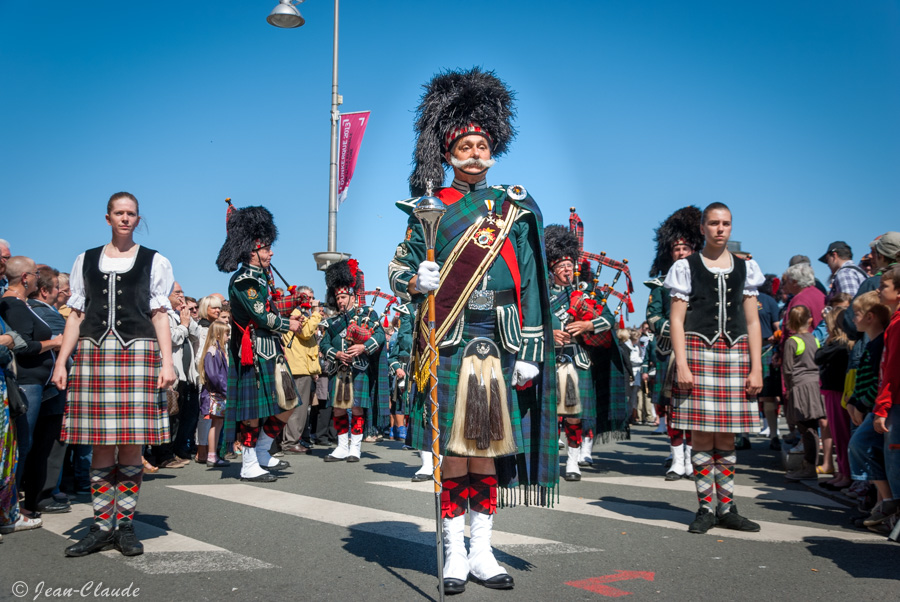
[[286, 15]]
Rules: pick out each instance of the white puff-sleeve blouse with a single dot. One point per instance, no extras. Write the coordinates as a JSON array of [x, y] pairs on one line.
[[678, 280], [162, 278]]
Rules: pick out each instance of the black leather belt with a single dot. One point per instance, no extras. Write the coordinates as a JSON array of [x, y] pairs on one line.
[[485, 300]]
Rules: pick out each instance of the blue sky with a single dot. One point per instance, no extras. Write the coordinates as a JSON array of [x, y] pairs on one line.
[[627, 110]]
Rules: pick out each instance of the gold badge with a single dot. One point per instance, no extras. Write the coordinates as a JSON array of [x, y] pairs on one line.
[[252, 293], [485, 237]]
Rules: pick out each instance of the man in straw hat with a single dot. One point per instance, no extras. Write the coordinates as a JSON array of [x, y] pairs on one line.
[[492, 308]]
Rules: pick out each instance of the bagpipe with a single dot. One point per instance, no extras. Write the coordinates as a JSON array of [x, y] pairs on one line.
[[362, 326], [589, 299]]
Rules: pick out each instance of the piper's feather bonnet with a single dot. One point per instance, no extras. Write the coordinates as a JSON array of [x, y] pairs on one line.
[[248, 229], [561, 244], [456, 103], [682, 227]]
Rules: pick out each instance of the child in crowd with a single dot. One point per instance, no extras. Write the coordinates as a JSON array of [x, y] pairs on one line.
[[214, 382], [866, 453], [887, 407], [801, 379], [832, 359]]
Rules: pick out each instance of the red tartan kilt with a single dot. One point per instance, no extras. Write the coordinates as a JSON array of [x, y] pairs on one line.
[[717, 402], [112, 395]]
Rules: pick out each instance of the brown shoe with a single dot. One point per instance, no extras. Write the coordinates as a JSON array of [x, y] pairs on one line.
[[175, 463], [294, 449]]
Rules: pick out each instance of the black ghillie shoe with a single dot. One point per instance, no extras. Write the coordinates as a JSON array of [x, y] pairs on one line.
[[96, 540], [703, 521], [263, 478], [734, 521], [126, 541], [454, 586], [501, 581]]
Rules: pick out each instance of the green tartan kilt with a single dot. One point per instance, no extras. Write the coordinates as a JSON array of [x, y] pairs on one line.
[[363, 384], [588, 395], [478, 324], [251, 392], [662, 371], [612, 393]]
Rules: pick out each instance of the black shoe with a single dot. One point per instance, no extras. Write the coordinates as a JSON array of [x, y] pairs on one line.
[[501, 581], [96, 540], [688, 476], [742, 443], [703, 522], [734, 521], [126, 541], [572, 476], [352, 458], [54, 507], [330, 458], [280, 466], [418, 478], [263, 478], [673, 476], [454, 586], [775, 444]]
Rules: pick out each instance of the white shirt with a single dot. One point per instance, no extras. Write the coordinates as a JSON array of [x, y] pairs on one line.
[[162, 279], [678, 280]]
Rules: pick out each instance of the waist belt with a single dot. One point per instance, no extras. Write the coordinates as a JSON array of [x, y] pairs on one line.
[[486, 300]]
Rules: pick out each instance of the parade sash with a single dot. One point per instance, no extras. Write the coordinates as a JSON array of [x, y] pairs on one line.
[[468, 262]]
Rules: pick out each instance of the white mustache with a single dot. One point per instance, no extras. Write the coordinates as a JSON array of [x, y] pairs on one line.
[[473, 162]]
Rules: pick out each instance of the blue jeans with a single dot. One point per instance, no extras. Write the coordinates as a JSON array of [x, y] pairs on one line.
[[892, 450], [25, 426], [867, 452]]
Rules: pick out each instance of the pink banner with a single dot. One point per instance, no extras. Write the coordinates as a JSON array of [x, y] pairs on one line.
[[353, 126]]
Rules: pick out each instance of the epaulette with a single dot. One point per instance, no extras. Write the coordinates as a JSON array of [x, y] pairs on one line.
[[653, 283]]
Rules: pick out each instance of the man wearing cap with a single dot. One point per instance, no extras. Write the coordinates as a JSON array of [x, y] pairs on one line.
[[885, 254], [493, 318], [846, 276]]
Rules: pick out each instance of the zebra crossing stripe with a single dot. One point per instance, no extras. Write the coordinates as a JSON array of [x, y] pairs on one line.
[[165, 552], [371, 520], [635, 512]]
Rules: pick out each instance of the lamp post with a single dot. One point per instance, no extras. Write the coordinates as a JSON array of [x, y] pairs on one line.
[[286, 15]]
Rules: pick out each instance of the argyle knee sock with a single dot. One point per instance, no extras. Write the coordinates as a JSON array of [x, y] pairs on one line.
[[454, 496], [724, 460], [273, 427], [704, 479], [341, 423], [103, 496], [248, 435], [127, 489], [356, 424], [573, 433], [483, 493]]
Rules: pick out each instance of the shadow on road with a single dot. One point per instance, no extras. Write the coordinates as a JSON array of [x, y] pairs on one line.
[[869, 560]]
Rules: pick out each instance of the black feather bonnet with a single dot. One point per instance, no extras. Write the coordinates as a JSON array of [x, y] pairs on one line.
[[682, 227], [457, 103], [561, 244], [340, 277], [248, 229]]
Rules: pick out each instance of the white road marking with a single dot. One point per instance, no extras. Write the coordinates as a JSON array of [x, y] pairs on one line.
[[788, 496], [164, 551], [371, 520], [672, 519]]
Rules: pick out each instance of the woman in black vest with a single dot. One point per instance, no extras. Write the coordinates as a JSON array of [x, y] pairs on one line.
[[123, 361], [716, 341]]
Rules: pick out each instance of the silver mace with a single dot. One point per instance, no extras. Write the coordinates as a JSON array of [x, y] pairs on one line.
[[429, 211]]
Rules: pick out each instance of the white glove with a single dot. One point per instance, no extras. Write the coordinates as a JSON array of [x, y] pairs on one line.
[[428, 277], [524, 373]]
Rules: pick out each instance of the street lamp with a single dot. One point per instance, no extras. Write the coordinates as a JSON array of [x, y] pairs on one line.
[[286, 15]]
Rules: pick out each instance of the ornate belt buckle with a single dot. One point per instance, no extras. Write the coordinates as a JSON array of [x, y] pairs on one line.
[[481, 300]]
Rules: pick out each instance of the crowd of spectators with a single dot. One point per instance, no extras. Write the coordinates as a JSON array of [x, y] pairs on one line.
[[831, 355]]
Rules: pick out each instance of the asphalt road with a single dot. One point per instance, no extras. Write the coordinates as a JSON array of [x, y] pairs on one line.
[[365, 532]]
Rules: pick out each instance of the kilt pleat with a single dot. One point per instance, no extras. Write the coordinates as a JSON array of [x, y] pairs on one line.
[[587, 394], [113, 397], [717, 402], [363, 395], [449, 364]]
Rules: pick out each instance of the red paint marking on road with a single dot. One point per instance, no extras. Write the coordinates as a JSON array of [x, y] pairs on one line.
[[598, 584]]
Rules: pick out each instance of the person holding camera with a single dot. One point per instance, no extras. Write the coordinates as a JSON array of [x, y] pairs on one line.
[[302, 355]]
